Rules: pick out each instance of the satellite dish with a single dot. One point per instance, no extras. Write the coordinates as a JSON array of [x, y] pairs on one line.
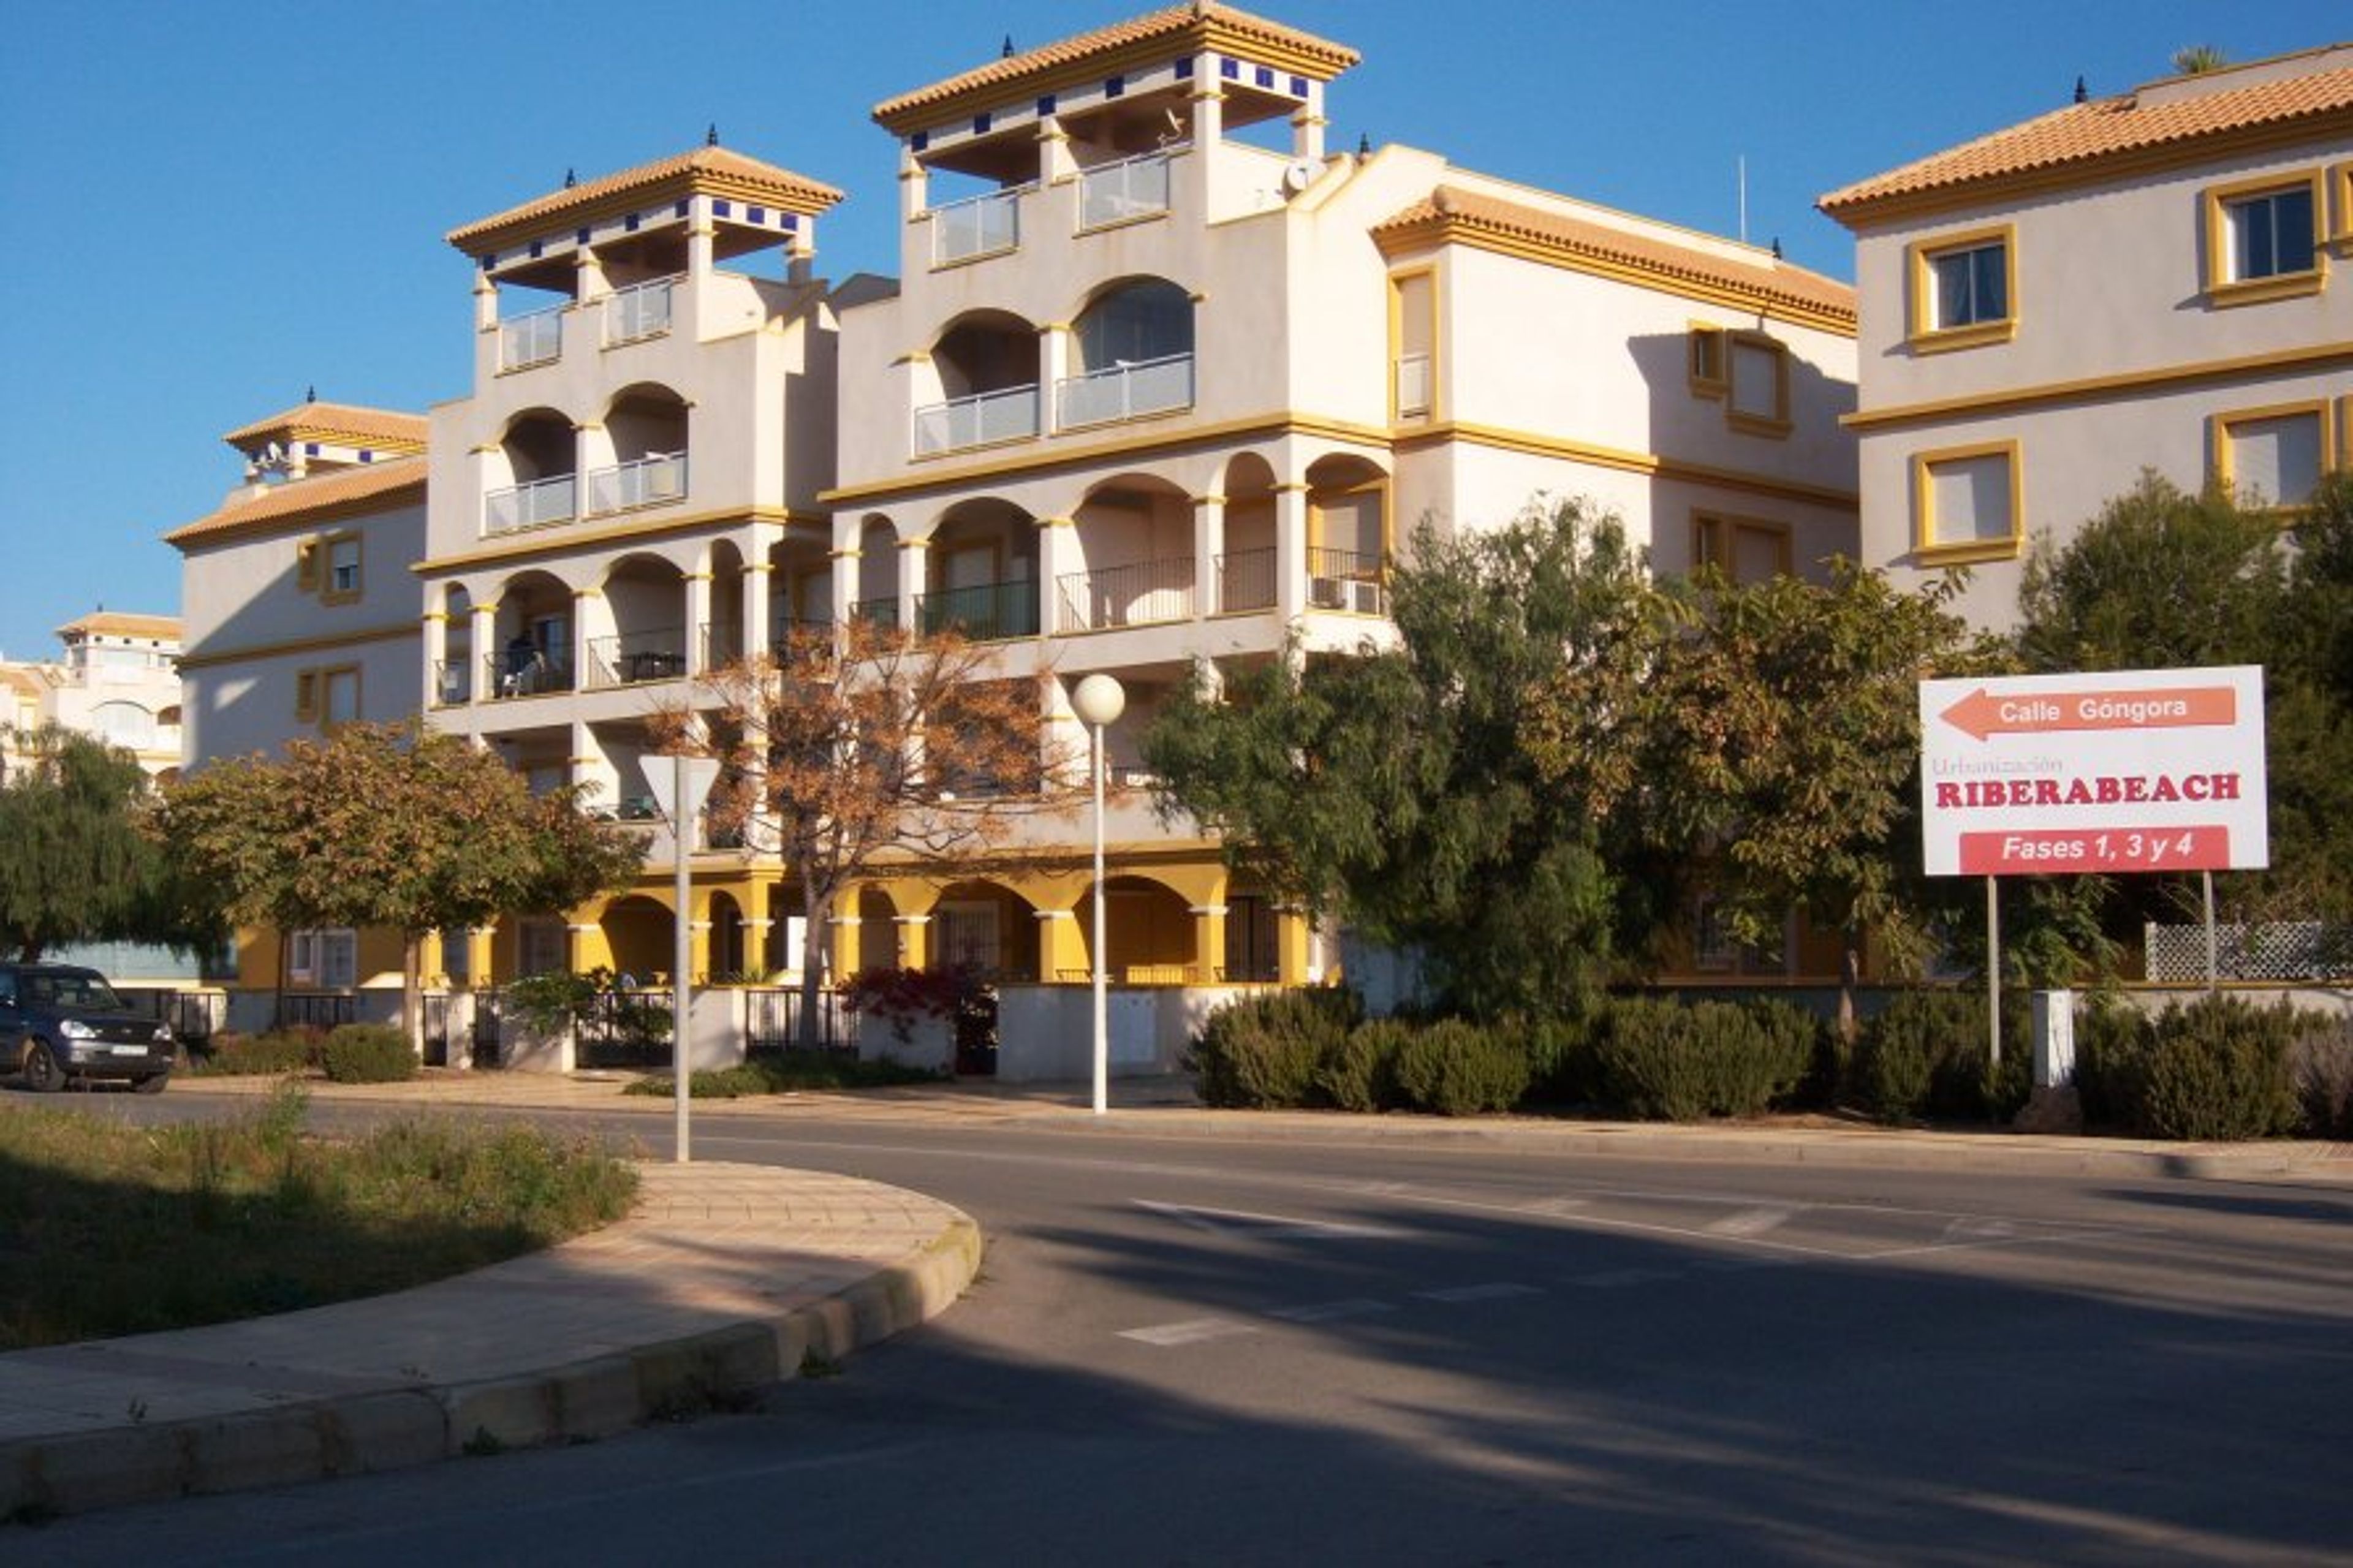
[[1298, 175]]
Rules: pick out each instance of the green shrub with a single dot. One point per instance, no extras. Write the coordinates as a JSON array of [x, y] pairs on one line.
[[1263, 1051], [1664, 1060], [1360, 1072], [1795, 1042], [1925, 1056], [782, 1072], [367, 1053], [280, 1051], [2320, 1063], [2111, 1045], [1564, 1068], [1457, 1068], [2218, 1070]]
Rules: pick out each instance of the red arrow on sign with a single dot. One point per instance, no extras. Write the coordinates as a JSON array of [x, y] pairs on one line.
[[1981, 713]]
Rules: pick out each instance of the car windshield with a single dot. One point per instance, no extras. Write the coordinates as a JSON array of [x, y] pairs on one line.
[[89, 993]]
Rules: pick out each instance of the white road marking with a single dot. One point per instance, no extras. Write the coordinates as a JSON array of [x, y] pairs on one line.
[[1264, 1224], [1495, 1292], [1329, 1312], [1193, 1330], [1750, 1222], [1555, 1206]]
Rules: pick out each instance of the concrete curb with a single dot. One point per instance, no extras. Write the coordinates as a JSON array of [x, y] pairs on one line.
[[367, 1432]]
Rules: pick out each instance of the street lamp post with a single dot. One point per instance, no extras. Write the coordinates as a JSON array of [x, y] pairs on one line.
[[1098, 701]]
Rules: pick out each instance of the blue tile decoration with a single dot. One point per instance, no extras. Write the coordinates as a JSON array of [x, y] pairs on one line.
[[1266, 75], [1046, 106], [309, 448], [580, 237], [683, 208], [630, 223], [489, 261], [755, 214], [1114, 87], [1229, 68], [921, 139], [1185, 68], [536, 248], [980, 124], [1299, 87], [721, 208], [792, 222]]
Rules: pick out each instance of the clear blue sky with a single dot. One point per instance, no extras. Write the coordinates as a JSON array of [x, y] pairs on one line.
[[206, 208]]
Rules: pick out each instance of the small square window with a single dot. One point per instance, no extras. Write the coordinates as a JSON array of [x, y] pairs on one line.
[[1744, 549], [339, 699], [1758, 384], [1966, 503], [1963, 290], [2263, 240], [1972, 287], [1705, 362], [342, 574], [2272, 457]]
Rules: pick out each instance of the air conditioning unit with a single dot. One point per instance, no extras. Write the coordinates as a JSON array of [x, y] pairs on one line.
[[1364, 598], [1327, 592]]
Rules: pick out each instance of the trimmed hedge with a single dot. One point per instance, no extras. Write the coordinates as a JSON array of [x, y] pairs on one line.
[[234, 1056], [1663, 1060], [1925, 1056], [2217, 1070], [367, 1053], [1457, 1068], [1264, 1052]]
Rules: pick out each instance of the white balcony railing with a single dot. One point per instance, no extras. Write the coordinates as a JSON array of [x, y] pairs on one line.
[[1130, 188], [534, 338], [639, 310], [978, 226], [1413, 386], [976, 421], [1125, 392], [652, 481], [533, 505], [1142, 593]]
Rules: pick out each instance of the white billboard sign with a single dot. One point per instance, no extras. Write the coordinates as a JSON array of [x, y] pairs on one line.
[[2138, 770]]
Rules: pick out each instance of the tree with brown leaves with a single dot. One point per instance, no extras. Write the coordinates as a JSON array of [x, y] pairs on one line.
[[875, 749]]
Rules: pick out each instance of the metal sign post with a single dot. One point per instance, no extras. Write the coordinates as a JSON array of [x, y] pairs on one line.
[[678, 796]]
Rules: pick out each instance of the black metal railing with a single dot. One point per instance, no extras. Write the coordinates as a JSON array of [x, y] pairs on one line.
[[987, 612]]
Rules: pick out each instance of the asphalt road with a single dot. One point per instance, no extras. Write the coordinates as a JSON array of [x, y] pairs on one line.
[[1250, 1351]]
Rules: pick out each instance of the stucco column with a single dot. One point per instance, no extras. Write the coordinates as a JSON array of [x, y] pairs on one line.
[[698, 622], [1209, 553], [912, 573], [1290, 551], [435, 628], [481, 953], [1061, 947], [1307, 125], [1053, 366], [759, 628], [1294, 946], [1057, 554], [486, 303], [914, 945], [844, 583], [589, 283], [1208, 943], [585, 603], [914, 184], [1055, 163], [480, 680], [843, 934]]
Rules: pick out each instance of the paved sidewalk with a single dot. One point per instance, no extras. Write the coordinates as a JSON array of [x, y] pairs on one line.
[[721, 1282]]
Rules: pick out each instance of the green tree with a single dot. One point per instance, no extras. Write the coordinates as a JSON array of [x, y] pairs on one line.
[[390, 826], [1772, 748], [77, 864], [2162, 579], [1394, 789]]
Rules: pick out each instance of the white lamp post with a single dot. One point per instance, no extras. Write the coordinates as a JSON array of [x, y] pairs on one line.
[[1099, 700]]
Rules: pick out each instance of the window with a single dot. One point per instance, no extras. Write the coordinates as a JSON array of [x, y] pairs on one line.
[[545, 947], [327, 696], [329, 958], [342, 582], [2273, 456], [1744, 549], [1717, 951], [964, 936], [1966, 503], [1705, 361], [1759, 384], [1964, 291], [2263, 241], [1413, 345]]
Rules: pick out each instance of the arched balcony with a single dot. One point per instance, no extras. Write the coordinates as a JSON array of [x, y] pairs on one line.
[[646, 599], [541, 458], [985, 368], [1133, 347], [647, 428], [534, 633], [1136, 566], [981, 574]]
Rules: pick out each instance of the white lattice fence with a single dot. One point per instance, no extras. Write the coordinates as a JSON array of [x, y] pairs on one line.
[[2284, 949]]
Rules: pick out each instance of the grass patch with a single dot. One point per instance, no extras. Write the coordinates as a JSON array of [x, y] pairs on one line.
[[786, 1071], [112, 1229]]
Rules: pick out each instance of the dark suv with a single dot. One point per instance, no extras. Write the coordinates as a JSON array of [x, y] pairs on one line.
[[59, 1022]]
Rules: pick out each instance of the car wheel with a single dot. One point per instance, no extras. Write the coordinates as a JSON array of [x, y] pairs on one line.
[[152, 1085], [42, 1073]]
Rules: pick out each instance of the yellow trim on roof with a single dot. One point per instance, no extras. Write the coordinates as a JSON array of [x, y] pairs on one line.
[[706, 171], [346, 492]]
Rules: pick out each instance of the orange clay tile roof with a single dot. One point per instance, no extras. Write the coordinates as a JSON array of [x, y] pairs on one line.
[[1768, 280], [342, 488], [345, 424], [716, 169], [2105, 128], [1207, 23], [124, 623], [24, 681]]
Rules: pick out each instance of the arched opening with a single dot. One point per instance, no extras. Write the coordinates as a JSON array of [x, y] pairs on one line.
[[541, 459], [877, 599], [1347, 536], [647, 426], [725, 953], [638, 933], [645, 597], [1135, 538], [721, 640], [987, 928], [1132, 346], [800, 588], [1246, 567], [982, 572], [878, 930], [452, 676], [986, 369], [535, 634], [1147, 933]]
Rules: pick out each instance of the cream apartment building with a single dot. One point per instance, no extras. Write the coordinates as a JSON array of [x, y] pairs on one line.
[[116, 678], [2149, 280], [1164, 378]]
